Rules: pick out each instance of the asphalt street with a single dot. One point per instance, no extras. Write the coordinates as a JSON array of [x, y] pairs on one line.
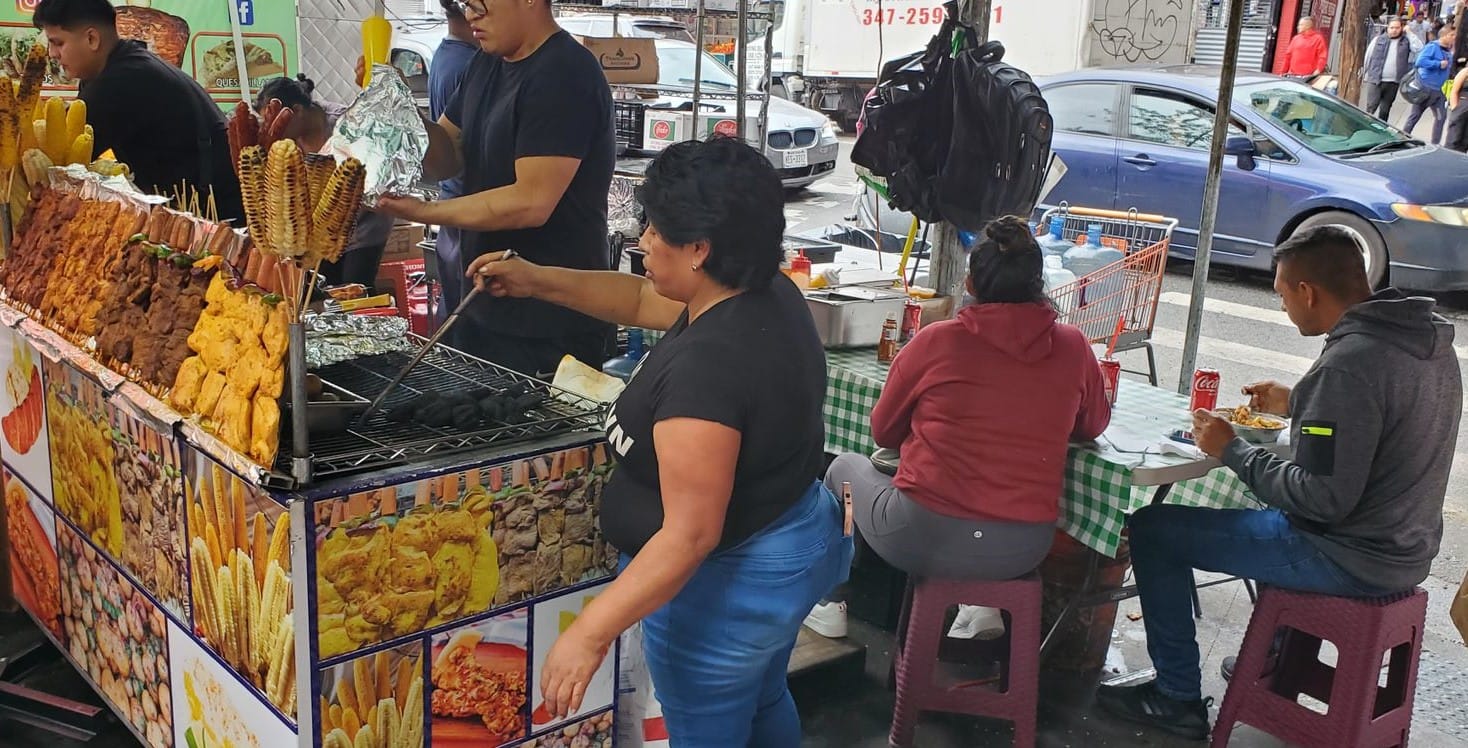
[[1245, 335]]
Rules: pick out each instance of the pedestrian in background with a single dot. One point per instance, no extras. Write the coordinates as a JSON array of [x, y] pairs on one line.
[[1457, 138], [1389, 58], [1433, 68], [1418, 28], [1307, 53]]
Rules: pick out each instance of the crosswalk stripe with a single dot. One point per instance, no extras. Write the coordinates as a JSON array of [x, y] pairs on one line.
[[1258, 314], [1236, 352]]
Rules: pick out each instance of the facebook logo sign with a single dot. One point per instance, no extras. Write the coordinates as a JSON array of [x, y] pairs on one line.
[[247, 12]]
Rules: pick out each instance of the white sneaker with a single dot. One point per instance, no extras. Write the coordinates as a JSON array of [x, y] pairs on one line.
[[977, 622], [828, 620]]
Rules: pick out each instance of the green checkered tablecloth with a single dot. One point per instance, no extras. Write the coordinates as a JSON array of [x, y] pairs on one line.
[[1104, 482]]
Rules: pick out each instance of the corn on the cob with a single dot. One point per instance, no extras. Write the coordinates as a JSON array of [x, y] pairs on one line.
[[28, 95], [9, 126], [81, 149], [364, 738], [55, 142], [281, 670], [336, 213], [76, 121], [337, 738], [365, 684], [203, 573], [347, 698], [333, 716], [38, 129], [253, 192], [385, 727], [259, 544], [280, 542], [413, 716], [287, 200], [34, 165], [407, 669], [251, 612], [318, 172], [228, 636]]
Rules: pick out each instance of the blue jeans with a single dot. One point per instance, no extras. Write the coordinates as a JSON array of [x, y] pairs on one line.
[[719, 650], [1169, 541]]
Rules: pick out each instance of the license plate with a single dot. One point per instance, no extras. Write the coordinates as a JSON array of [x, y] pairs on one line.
[[796, 159]]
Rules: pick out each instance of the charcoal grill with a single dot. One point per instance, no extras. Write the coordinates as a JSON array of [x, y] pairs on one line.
[[382, 442]]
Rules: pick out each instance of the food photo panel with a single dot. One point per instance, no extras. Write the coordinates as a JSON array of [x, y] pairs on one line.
[[479, 683], [84, 481], [592, 732], [239, 553], [214, 708], [35, 574], [150, 490], [117, 636], [552, 618], [375, 701], [23, 412]]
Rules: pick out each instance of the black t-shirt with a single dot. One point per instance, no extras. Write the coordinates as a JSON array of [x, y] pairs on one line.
[[555, 102], [753, 363], [162, 124]]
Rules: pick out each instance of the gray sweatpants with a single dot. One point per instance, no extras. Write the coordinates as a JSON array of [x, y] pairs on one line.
[[920, 541]]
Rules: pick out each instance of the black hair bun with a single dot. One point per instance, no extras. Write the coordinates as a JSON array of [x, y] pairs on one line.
[[307, 85], [1008, 231]]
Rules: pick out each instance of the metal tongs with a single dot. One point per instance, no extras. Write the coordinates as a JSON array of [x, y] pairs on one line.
[[422, 352]]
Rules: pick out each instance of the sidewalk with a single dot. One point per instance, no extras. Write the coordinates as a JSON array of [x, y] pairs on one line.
[[840, 710]]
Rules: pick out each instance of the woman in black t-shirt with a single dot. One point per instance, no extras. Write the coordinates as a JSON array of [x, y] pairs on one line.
[[728, 535]]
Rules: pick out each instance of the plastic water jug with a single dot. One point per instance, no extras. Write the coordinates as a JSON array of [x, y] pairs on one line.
[[1083, 260], [1054, 243], [1056, 275]]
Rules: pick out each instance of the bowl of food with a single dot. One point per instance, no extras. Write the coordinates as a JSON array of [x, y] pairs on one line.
[[1255, 428]]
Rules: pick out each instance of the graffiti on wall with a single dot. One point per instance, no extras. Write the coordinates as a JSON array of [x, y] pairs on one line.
[[1140, 31]]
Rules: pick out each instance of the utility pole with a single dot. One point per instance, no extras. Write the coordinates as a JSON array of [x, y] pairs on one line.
[[949, 266], [1356, 18]]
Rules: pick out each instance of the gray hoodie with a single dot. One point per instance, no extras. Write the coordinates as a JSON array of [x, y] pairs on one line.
[[1375, 421]]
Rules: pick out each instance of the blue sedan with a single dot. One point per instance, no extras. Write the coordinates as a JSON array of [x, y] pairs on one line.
[[1296, 158]]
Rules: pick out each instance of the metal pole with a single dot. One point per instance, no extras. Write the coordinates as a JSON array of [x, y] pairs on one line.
[[741, 58], [1210, 196], [767, 81], [697, 68], [948, 265]]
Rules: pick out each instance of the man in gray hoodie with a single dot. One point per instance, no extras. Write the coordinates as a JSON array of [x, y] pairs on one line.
[[1356, 513]]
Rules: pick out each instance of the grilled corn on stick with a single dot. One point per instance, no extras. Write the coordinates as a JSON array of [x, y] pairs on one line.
[[287, 200], [253, 194], [336, 213], [9, 126]]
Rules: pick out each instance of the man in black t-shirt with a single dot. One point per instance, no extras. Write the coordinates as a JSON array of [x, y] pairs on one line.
[[530, 132], [153, 116]]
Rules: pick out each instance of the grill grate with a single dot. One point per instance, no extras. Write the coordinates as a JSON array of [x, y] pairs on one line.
[[384, 442]]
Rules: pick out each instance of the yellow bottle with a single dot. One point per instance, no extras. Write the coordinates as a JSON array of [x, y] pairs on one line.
[[376, 43]]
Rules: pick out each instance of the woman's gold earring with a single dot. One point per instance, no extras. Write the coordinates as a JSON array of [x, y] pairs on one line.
[[695, 268]]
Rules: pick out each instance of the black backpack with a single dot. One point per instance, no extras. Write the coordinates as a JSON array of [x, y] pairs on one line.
[[1000, 148]]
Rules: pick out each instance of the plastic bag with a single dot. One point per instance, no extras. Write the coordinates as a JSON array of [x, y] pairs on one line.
[[1459, 609]]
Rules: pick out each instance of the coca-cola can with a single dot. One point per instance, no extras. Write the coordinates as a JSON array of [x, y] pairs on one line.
[[912, 318], [1111, 377], [1205, 389]]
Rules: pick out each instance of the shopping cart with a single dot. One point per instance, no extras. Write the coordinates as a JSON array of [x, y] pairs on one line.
[[1123, 293]]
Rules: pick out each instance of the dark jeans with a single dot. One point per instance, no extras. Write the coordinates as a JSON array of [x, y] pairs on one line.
[[1379, 99], [718, 651], [1439, 106], [1457, 138], [1169, 541], [535, 356]]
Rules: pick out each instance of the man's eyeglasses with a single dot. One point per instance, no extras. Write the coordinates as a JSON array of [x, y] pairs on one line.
[[471, 7]]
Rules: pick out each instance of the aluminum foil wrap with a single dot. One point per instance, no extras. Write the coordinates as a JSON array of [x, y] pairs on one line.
[[334, 338], [384, 130], [624, 215]]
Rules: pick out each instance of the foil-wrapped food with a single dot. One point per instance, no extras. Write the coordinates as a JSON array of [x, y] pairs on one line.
[[334, 338], [384, 130]]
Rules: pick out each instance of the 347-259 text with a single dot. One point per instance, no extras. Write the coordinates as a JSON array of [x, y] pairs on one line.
[[910, 16]]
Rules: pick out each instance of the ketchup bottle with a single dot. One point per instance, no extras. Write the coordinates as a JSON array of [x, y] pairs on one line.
[[800, 271]]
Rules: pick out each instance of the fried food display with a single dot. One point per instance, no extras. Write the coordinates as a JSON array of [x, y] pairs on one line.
[[82, 458], [547, 533], [375, 702], [464, 686], [241, 580], [33, 566], [595, 732], [236, 375], [117, 636]]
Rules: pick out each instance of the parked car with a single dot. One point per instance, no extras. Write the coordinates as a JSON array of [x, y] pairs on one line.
[[1297, 158]]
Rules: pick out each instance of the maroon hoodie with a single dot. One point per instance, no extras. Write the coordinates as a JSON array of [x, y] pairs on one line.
[[983, 408]]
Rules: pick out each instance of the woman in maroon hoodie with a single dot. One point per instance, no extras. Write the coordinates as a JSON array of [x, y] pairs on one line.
[[982, 408]]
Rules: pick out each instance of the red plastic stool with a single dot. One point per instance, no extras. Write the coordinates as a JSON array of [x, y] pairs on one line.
[[921, 631], [1360, 712]]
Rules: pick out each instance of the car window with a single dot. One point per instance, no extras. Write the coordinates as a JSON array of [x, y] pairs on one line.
[[1169, 118], [1088, 108], [1318, 120], [413, 67], [675, 68]]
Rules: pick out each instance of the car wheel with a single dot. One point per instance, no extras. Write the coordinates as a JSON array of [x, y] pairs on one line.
[[847, 121], [1373, 248]]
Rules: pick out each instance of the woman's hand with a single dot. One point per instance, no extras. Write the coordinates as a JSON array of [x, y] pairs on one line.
[[568, 668], [504, 274]]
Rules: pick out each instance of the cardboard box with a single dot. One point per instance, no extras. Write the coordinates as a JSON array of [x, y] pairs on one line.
[[664, 127], [402, 243], [625, 60]]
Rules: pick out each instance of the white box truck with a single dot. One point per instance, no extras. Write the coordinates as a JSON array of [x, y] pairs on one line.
[[826, 53]]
